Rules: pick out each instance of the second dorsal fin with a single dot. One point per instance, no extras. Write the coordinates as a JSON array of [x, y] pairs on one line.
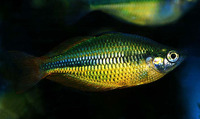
[[64, 46]]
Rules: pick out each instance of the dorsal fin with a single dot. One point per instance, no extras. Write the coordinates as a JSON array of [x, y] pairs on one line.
[[106, 33], [66, 45]]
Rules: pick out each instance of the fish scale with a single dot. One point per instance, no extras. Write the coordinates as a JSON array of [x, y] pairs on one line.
[[106, 62], [98, 63], [143, 12]]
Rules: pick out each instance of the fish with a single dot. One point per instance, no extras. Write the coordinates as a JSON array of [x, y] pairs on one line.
[[139, 12], [19, 106], [103, 62]]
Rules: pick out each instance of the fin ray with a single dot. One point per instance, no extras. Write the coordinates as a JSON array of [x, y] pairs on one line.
[[70, 81], [25, 70], [63, 47]]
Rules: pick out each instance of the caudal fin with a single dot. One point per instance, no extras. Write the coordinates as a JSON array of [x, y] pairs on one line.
[[22, 69]]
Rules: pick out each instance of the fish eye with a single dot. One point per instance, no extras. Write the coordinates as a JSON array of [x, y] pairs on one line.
[[172, 56]]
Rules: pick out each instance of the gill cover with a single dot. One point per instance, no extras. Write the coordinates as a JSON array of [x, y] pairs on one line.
[[164, 64]]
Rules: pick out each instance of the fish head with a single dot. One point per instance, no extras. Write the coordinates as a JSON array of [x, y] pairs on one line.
[[165, 60], [171, 10]]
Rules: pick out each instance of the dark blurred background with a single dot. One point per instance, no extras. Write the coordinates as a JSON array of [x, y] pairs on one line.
[[37, 27]]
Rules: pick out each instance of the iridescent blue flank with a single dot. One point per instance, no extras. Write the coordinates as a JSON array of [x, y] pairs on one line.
[[93, 60], [107, 49]]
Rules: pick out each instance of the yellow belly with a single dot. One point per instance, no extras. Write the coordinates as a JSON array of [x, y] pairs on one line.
[[105, 77]]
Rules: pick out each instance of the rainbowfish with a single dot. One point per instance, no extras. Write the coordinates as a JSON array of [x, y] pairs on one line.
[[99, 63], [21, 106], [140, 12]]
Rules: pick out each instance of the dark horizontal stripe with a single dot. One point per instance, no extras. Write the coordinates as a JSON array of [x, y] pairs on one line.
[[74, 62]]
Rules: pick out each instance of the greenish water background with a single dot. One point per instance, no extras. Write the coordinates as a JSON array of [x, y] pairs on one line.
[[38, 29]]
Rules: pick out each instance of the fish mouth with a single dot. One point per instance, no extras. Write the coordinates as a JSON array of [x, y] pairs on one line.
[[181, 59], [165, 66], [183, 55]]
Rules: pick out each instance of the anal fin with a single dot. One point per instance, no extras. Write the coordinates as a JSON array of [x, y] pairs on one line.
[[78, 83]]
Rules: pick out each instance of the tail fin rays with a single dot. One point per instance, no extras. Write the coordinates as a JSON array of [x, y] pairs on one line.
[[26, 70]]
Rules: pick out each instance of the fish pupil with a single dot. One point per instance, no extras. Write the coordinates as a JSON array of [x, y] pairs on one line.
[[173, 56]]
